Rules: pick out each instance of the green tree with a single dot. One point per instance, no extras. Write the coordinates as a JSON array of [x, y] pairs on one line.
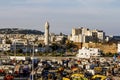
[[63, 41], [54, 46], [8, 41], [39, 45], [70, 45], [20, 51]]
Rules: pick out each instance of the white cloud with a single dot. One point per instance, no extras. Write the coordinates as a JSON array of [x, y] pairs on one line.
[[38, 1]]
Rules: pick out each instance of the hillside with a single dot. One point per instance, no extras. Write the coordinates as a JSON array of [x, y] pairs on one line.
[[19, 31]]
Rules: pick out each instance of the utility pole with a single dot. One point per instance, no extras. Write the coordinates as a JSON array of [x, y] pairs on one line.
[[33, 63], [15, 49]]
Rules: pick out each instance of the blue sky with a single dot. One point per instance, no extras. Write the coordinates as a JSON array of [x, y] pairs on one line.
[[63, 15]]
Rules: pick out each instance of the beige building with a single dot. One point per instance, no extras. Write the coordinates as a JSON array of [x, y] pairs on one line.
[[101, 36], [85, 35], [76, 31]]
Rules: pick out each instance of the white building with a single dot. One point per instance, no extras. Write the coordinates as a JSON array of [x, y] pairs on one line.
[[19, 41], [41, 37], [2, 41], [118, 48], [4, 47], [85, 35], [101, 36], [88, 52], [59, 38]]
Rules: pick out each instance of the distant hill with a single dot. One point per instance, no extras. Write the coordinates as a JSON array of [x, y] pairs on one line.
[[19, 31]]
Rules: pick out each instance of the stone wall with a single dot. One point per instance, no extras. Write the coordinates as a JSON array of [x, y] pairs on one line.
[[106, 48]]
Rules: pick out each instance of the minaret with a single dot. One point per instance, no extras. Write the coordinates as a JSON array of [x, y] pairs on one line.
[[46, 35]]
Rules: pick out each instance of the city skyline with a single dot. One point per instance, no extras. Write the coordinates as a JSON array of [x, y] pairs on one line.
[[32, 14]]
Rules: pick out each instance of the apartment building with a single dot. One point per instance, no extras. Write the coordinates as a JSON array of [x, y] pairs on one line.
[[85, 35]]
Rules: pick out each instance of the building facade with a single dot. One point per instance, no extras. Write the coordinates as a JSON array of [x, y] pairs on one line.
[[84, 35], [88, 52], [118, 48]]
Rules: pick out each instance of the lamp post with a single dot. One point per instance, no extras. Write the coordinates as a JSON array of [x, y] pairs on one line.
[[26, 48], [15, 49], [36, 50], [33, 63]]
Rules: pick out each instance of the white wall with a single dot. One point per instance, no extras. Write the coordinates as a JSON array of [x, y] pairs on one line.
[[119, 48], [17, 57], [83, 53], [87, 52]]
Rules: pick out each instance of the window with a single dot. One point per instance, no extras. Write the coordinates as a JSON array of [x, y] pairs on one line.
[[93, 53]]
